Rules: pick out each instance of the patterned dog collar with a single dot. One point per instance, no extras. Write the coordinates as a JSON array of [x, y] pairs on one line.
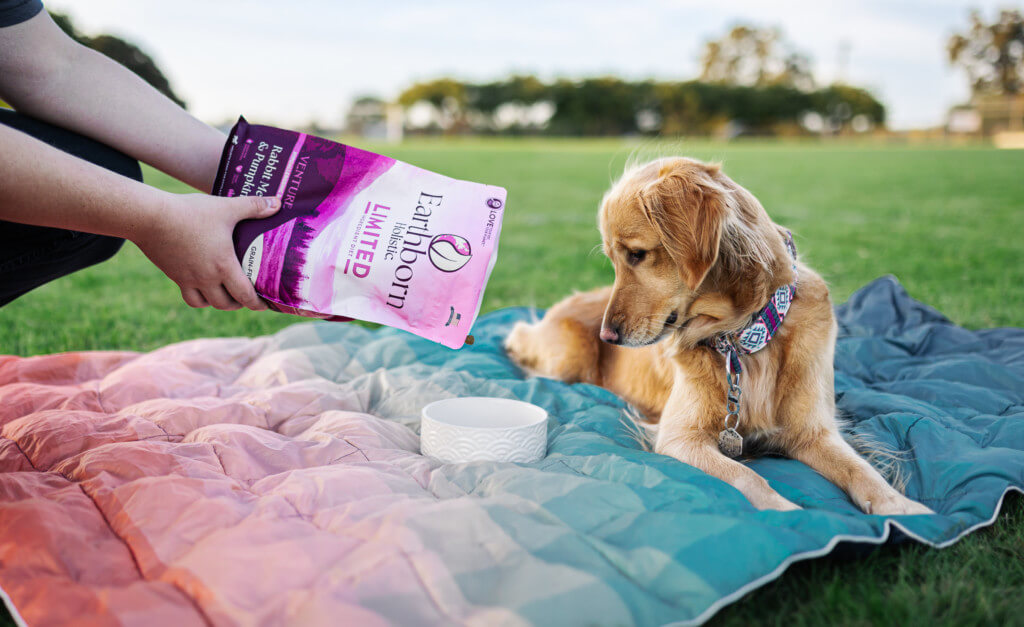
[[762, 326]]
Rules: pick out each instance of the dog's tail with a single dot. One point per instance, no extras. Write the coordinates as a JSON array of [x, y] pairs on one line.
[[886, 460], [638, 429]]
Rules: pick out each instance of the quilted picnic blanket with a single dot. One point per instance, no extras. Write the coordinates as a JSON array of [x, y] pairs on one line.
[[277, 480]]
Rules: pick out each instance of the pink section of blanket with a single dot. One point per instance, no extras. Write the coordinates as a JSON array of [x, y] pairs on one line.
[[209, 482]]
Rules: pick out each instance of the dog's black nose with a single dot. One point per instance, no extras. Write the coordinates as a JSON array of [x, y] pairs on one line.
[[610, 334]]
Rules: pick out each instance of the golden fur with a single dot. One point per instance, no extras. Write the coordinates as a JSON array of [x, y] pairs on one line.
[[695, 255]]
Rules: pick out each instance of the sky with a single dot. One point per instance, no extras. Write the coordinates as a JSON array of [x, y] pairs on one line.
[[289, 63]]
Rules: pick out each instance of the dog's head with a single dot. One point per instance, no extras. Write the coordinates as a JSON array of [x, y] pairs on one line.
[[694, 253]]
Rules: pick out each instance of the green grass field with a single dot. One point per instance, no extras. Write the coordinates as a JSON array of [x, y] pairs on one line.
[[946, 222]]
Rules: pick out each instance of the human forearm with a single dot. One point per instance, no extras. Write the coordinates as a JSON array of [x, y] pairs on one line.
[[49, 76], [47, 187], [139, 121], [188, 236]]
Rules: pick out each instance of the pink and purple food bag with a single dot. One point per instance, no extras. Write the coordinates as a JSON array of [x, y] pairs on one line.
[[360, 235]]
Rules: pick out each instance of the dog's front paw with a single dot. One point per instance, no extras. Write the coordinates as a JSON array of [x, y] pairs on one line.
[[896, 505], [786, 506], [776, 502], [516, 342]]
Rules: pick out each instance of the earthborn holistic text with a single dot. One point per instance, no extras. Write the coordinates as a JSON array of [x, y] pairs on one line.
[[361, 235]]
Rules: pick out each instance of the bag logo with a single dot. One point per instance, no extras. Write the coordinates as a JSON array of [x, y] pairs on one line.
[[449, 252]]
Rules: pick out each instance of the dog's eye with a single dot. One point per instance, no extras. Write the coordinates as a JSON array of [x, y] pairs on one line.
[[635, 256]]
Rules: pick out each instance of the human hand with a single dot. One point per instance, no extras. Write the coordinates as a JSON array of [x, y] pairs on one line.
[[189, 239]]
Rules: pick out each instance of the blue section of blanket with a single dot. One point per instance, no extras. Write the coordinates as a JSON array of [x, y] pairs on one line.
[[646, 539]]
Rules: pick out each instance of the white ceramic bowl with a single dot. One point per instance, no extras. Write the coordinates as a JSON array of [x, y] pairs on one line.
[[478, 428]]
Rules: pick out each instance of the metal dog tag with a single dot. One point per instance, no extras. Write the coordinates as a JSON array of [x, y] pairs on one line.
[[730, 442]]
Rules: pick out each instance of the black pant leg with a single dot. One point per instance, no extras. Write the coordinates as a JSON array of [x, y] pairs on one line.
[[31, 256]]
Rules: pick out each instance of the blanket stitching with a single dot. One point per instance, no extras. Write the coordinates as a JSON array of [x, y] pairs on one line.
[[266, 415], [113, 532], [243, 483], [225, 472], [195, 604], [564, 463], [423, 584], [223, 468], [27, 458], [1006, 409], [154, 437], [99, 397], [161, 427], [333, 461], [596, 545], [135, 561], [303, 517], [361, 452]]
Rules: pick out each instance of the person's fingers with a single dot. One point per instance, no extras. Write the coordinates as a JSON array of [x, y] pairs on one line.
[[240, 289], [193, 298], [249, 207], [217, 296]]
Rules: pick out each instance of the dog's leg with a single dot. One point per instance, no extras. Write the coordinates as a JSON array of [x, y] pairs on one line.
[[700, 450], [689, 425], [564, 344], [563, 349], [835, 459], [807, 416]]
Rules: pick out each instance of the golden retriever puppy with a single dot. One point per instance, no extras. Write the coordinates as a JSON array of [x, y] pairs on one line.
[[697, 260]]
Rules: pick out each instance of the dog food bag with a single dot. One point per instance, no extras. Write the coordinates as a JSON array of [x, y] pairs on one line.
[[361, 235]]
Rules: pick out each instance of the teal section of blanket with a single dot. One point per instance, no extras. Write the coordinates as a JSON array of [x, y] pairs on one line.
[[624, 535]]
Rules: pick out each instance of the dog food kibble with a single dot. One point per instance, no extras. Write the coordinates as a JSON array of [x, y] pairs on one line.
[[360, 235]]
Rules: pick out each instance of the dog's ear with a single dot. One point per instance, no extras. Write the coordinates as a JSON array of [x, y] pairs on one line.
[[686, 206]]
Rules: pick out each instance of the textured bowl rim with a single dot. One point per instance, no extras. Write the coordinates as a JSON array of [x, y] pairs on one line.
[[540, 414]]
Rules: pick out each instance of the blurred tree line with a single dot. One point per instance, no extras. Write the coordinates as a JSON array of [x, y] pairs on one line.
[[751, 83], [748, 55], [992, 54], [124, 52], [613, 106]]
